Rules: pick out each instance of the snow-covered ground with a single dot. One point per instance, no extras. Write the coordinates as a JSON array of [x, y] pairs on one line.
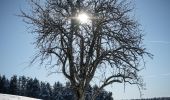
[[14, 97]]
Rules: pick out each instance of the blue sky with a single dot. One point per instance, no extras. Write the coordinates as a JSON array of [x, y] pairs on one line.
[[16, 47]]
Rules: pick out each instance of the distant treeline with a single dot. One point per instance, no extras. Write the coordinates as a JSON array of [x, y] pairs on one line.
[[26, 86], [156, 98]]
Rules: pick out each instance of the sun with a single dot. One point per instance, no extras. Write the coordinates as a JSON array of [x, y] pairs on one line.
[[83, 18]]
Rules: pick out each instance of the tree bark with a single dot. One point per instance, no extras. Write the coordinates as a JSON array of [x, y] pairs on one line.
[[80, 94]]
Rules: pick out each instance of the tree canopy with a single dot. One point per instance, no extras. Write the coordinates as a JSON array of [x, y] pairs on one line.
[[110, 43]]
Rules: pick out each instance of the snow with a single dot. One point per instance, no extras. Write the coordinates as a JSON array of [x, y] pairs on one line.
[[14, 97]]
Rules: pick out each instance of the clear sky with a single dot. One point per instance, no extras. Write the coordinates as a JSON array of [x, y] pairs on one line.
[[16, 47]]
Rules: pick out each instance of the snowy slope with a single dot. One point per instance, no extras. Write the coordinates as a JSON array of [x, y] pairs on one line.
[[14, 97]]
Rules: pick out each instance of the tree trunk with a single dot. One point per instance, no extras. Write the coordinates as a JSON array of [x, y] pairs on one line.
[[80, 94], [82, 97]]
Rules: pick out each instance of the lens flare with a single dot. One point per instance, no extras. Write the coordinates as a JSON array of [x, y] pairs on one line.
[[83, 18]]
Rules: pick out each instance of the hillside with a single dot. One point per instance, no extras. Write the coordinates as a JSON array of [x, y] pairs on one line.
[[14, 97]]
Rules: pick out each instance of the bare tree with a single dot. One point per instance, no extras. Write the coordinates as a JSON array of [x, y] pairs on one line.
[[108, 45]]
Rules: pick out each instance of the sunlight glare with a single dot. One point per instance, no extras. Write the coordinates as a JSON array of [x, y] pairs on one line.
[[83, 18]]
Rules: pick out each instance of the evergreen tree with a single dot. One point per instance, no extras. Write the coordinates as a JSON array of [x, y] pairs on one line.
[[57, 91], [35, 88], [68, 84], [44, 92], [13, 88], [23, 86], [1, 85], [109, 96], [19, 85], [68, 93], [29, 88], [88, 93], [49, 91], [6, 86]]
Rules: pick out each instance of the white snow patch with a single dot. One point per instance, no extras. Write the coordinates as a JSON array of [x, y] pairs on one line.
[[14, 97]]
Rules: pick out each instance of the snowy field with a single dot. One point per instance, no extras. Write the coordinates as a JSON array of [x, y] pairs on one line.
[[13, 97]]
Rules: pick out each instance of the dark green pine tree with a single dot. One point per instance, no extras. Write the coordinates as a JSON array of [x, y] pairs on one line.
[[43, 91], [13, 88], [23, 85], [109, 96], [29, 88], [19, 85], [35, 88], [57, 91], [6, 86], [89, 90], [49, 91], [1, 84]]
